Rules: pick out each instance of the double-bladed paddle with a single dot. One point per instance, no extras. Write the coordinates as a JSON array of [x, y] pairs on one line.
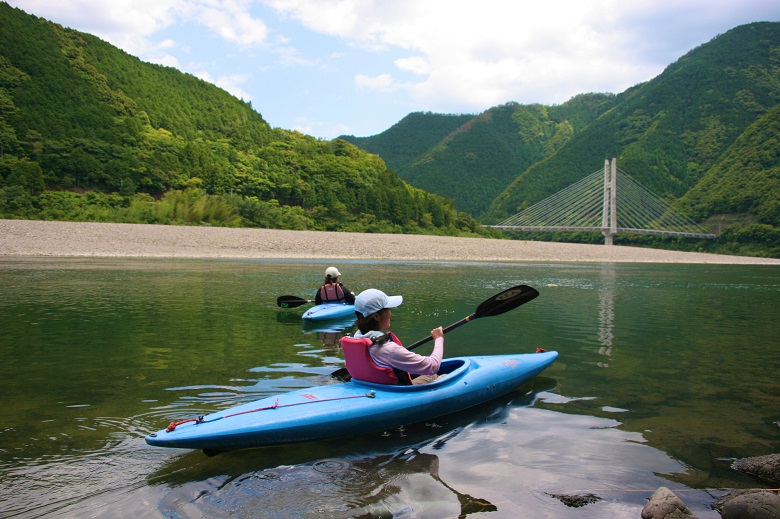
[[500, 303], [292, 301]]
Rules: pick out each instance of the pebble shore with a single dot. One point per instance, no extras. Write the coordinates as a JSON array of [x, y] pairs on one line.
[[79, 239]]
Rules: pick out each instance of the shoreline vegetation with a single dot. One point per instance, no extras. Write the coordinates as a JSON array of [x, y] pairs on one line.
[[38, 238]]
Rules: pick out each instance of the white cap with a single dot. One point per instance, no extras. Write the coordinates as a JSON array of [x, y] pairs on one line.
[[371, 301], [332, 272]]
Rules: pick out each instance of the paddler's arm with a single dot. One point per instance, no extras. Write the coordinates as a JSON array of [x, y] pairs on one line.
[[392, 354]]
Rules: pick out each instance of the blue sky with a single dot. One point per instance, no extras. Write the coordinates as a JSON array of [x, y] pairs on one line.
[[333, 67]]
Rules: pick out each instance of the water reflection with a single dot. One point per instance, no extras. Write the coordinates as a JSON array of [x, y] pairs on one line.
[[328, 332], [334, 326], [404, 484], [395, 474], [606, 315]]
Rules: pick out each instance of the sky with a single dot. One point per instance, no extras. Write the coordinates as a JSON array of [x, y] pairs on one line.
[[356, 67]]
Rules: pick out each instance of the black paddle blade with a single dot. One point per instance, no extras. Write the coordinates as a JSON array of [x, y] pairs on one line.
[[507, 300], [342, 374], [291, 301]]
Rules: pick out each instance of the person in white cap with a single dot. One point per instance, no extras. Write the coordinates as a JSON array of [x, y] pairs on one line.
[[373, 310], [332, 291]]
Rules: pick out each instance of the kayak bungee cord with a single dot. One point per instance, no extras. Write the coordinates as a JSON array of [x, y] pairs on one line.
[[200, 419]]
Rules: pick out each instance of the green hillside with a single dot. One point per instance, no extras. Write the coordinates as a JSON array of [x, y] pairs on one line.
[[401, 144], [88, 132], [474, 162], [746, 179], [744, 182], [667, 133], [674, 134]]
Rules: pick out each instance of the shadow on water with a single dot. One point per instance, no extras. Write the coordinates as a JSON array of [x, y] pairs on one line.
[[391, 474]]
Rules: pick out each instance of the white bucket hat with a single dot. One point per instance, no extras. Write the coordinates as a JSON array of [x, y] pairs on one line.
[[370, 301]]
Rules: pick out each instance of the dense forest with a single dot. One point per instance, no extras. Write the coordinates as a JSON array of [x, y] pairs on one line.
[[475, 161], [698, 135], [88, 132]]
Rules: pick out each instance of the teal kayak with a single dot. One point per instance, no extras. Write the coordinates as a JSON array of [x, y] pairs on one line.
[[354, 407], [329, 311]]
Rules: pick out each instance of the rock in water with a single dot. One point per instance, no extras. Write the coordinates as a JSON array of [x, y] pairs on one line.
[[664, 504]]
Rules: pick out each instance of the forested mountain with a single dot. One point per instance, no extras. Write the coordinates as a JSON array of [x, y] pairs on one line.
[[745, 179], [669, 134], [410, 138], [474, 162], [88, 132]]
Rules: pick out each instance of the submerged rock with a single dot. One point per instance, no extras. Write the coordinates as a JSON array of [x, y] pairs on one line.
[[762, 467], [576, 500], [664, 504], [749, 504]]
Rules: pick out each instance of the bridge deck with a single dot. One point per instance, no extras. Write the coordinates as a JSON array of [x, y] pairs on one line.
[[607, 203]]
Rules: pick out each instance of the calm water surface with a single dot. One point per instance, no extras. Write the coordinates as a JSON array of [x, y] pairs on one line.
[[666, 373]]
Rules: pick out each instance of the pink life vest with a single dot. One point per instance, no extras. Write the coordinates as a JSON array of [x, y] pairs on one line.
[[362, 366], [332, 293]]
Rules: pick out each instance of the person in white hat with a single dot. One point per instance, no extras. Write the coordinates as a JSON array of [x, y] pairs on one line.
[[373, 310], [332, 291]]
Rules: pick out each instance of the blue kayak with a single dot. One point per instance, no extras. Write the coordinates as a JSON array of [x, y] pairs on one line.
[[354, 407], [329, 311]]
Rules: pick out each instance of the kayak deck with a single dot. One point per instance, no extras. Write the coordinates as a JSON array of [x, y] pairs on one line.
[[329, 311]]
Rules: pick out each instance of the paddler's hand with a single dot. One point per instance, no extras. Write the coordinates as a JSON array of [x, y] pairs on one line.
[[437, 333]]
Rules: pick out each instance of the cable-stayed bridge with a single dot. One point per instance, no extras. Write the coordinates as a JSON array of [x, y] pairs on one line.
[[608, 203]]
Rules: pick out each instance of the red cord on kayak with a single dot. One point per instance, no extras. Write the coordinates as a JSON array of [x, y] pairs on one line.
[[540, 350], [173, 425], [276, 404]]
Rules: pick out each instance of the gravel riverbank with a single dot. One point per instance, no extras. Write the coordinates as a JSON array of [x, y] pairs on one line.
[[78, 239]]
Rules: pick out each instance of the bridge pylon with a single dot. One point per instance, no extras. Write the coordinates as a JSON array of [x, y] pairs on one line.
[[609, 214]]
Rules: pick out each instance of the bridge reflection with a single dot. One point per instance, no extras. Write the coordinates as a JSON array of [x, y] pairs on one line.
[[606, 315]]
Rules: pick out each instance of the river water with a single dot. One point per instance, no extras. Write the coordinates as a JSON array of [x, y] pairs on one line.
[[666, 374]]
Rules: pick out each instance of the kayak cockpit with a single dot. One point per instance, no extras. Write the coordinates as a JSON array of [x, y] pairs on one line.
[[454, 369]]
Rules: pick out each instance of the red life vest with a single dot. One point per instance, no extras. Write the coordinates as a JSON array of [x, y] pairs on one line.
[[332, 293], [362, 366]]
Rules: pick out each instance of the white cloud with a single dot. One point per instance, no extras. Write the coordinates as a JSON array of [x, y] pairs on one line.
[[124, 23], [478, 54], [166, 60], [380, 83], [234, 84], [441, 55], [232, 20], [415, 65], [129, 24], [310, 126]]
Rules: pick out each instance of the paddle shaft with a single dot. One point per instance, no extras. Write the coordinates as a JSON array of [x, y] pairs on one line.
[[447, 329], [498, 304]]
